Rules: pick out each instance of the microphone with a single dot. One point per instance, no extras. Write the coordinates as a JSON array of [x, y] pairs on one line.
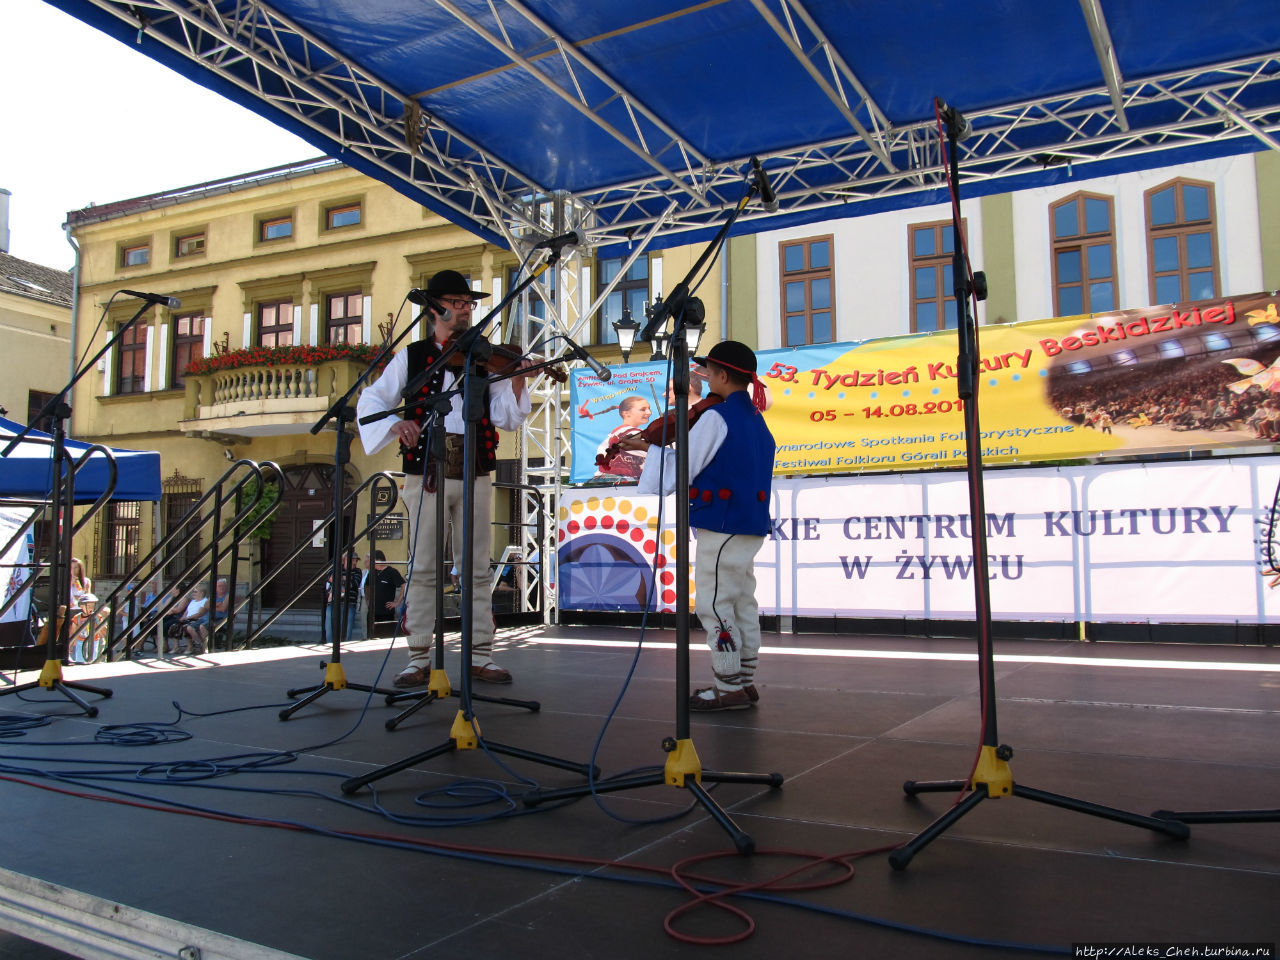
[[598, 368], [173, 303], [424, 299], [573, 238], [767, 197], [957, 123]]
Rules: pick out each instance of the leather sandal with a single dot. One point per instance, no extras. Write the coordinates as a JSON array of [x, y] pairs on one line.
[[410, 677], [490, 673], [719, 700]]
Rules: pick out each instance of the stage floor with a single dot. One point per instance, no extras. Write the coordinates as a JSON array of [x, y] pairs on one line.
[[845, 720]]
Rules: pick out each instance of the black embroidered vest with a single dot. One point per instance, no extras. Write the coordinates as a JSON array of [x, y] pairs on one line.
[[420, 353]]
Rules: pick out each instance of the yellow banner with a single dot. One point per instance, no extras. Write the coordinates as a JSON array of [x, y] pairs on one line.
[[1157, 379]]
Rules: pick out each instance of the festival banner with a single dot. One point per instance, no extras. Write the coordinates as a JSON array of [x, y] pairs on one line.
[[1160, 542], [1183, 377]]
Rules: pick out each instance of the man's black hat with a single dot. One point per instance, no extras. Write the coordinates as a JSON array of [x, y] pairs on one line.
[[450, 283]]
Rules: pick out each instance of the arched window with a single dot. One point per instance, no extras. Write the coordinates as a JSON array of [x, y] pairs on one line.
[[1084, 254], [1182, 242]]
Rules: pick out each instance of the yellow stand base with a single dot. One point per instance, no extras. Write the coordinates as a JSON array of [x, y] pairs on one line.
[[465, 733], [334, 677], [682, 762], [439, 684], [992, 773], [51, 673]]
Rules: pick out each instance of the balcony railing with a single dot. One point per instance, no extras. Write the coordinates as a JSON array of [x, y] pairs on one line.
[[266, 399]]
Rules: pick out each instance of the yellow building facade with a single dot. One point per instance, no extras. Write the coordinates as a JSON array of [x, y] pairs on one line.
[[306, 255]]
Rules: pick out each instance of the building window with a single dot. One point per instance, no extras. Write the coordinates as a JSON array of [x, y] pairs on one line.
[[188, 344], [188, 245], [131, 360], [121, 530], [1084, 255], [275, 228], [135, 255], [180, 496], [808, 301], [344, 321], [1182, 242], [275, 324], [632, 289], [36, 399], [933, 301], [346, 215]]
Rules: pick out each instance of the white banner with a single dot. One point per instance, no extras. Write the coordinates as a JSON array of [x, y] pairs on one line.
[[14, 564], [1168, 542]]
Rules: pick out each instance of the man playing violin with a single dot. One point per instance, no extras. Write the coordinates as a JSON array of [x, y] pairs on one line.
[[506, 406], [731, 470]]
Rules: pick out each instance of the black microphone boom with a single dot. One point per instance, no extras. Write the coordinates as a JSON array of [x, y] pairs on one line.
[[164, 300], [598, 368], [424, 299], [573, 238], [767, 197]]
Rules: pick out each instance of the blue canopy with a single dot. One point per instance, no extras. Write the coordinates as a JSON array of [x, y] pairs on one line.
[[635, 121], [28, 471]]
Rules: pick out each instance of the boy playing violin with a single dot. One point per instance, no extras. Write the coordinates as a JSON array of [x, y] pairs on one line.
[[731, 466]]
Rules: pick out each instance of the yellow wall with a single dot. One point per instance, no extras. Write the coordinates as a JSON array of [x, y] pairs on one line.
[[36, 353]]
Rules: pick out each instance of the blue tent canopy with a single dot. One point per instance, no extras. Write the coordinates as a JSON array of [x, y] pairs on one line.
[[635, 121], [28, 471]]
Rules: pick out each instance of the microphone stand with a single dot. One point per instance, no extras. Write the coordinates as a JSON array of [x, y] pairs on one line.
[[56, 631], [343, 413], [991, 778], [438, 687], [682, 768], [465, 733]]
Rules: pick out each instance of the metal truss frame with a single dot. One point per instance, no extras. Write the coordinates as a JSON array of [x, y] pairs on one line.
[[390, 133]]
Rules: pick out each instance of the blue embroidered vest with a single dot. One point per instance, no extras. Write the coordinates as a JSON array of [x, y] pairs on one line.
[[731, 494]]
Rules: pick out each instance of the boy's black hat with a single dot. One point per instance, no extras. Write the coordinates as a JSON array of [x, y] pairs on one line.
[[732, 354]]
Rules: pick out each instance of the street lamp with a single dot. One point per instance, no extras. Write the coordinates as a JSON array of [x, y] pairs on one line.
[[693, 335], [660, 345], [626, 329]]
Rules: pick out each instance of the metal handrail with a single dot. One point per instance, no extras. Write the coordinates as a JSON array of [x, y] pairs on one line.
[[176, 541]]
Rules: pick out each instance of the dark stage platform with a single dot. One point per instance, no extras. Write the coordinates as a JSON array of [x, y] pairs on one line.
[[267, 851]]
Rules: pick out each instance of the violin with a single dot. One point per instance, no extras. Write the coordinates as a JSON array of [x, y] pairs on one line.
[[504, 357], [662, 431]]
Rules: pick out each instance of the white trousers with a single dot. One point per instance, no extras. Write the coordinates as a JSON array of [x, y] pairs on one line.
[[420, 592], [724, 581]]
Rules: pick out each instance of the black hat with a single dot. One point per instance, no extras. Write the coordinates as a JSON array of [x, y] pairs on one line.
[[450, 283], [732, 354]]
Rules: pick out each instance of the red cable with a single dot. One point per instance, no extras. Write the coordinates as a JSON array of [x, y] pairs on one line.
[[678, 871]]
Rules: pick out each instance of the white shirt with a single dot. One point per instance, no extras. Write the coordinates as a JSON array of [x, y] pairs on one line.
[[705, 439], [505, 411]]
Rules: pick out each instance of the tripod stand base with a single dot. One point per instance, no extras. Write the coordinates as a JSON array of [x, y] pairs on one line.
[[465, 735], [439, 690], [992, 764], [1219, 816], [51, 679], [335, 678], [682, 769]]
